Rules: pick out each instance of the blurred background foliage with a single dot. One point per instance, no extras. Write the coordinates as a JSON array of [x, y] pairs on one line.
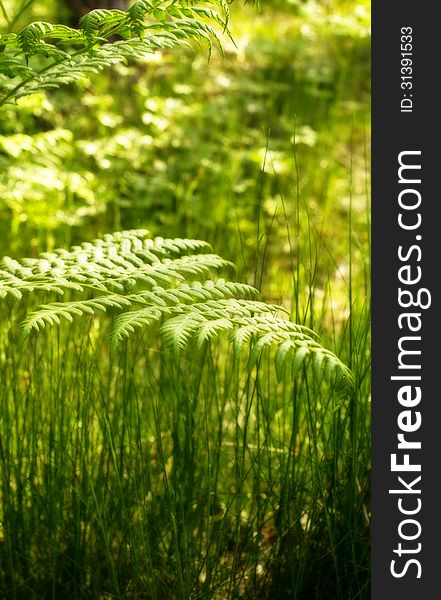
[[248, 151]]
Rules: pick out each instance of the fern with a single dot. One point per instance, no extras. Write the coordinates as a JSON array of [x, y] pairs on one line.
[[44, 55], [167, 281]]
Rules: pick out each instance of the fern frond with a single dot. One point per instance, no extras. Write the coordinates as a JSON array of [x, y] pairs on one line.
[[115, 263], [52, 313], [128, 322], [139, 9], [173, 301], [30, 37], [178, 332], [173, 288], [98, 22], [66, 54], [210, 329]]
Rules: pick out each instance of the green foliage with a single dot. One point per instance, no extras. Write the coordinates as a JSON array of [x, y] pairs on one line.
[[150, 280], [44, 55], [177, 145], [164, 433]]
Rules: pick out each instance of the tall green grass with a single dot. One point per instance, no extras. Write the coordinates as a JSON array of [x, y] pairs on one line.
[[126, 473]]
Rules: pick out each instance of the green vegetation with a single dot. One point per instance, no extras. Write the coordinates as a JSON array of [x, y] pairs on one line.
[[170, 426]]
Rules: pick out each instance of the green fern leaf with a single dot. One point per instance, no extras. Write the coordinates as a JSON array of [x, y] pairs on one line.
[[29, 38], [139, 9], [262, 342], [210, 329], [283, 354], [69, 54], [298, 359], [127, 323], [178, 331], [98, 22], [173, 287]]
